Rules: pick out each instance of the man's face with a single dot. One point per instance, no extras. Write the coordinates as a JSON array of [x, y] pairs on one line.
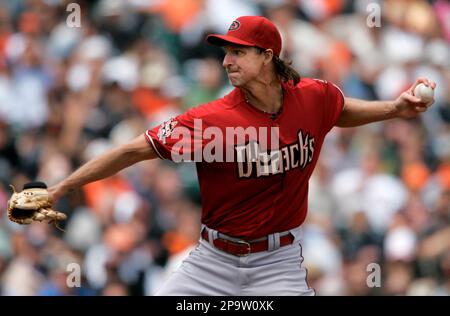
[[243, 64]]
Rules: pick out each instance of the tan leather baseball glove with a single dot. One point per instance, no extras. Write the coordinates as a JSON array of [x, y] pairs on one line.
[[32, 204]]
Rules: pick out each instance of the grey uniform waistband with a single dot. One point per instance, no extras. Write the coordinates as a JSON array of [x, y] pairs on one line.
[[272, 239]]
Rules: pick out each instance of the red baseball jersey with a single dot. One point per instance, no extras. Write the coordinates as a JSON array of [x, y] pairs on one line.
[[264, 189]]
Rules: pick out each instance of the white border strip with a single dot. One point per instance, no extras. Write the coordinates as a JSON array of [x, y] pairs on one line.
[[343, 96], [153, 144]]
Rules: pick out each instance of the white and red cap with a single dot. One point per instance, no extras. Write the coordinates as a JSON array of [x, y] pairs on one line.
[[255, 31]]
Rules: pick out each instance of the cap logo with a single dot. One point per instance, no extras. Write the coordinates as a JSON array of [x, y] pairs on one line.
[[234, 26]]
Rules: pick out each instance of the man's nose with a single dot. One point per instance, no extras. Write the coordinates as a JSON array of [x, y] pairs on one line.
[[226, 61]]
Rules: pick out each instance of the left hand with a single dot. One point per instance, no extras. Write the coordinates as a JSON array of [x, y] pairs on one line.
[[409, 106]]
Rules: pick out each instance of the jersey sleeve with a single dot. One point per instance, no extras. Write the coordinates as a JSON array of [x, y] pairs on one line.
[[178, 138], [334, 105]]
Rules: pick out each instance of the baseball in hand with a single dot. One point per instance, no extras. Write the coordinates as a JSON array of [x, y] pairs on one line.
[[426, 94]]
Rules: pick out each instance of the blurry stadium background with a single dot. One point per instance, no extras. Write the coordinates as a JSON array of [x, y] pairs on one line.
[[380, 193]]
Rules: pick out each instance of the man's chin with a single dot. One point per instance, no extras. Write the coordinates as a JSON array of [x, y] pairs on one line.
[[234, 83]]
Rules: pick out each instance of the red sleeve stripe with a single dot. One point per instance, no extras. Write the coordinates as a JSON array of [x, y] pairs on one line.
[[150, 140]]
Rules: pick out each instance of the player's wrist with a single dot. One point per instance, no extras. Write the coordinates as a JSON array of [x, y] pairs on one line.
[[394, 108], [60, 190]]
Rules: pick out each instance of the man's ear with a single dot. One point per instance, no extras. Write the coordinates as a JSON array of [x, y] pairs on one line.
[[268, 56]]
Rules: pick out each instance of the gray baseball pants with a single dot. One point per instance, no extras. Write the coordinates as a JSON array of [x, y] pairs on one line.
[[208, 271]]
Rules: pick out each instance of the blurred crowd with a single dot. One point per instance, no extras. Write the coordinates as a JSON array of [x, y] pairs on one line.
[[380, 193]]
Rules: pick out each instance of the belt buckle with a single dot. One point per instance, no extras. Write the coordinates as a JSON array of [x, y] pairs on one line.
[[243, 242]]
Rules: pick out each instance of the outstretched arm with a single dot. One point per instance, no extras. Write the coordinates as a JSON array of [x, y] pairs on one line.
[[359, 112], [105, 165]]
